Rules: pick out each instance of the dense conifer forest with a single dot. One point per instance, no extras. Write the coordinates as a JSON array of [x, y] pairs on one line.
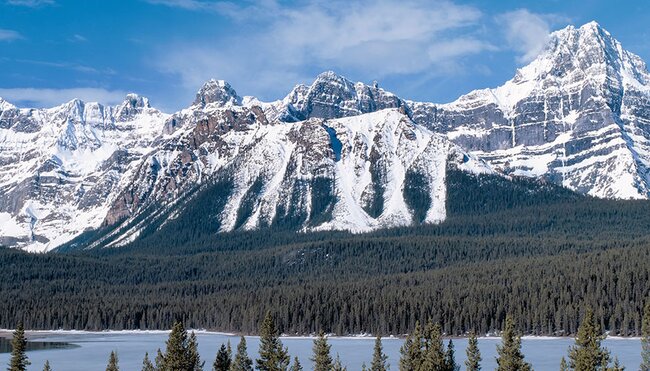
[[528, 249]]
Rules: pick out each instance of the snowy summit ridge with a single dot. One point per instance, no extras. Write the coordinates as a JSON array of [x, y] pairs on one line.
[[331, 155]]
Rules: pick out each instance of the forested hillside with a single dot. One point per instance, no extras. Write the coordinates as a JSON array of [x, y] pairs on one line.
[[530, 249]]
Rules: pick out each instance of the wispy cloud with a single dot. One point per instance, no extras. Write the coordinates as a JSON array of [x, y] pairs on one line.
[[78, 38], [527, 33], [9, 35], [69, 66], [37, 97], [30, 3], [192, 4], [369, 39]]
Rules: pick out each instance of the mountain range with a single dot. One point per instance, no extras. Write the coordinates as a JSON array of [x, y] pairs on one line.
[[334, 155]]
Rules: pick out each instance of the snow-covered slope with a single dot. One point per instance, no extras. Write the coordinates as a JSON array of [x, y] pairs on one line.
[[61, 168], [331, 155], [358, 173], [577, 115]]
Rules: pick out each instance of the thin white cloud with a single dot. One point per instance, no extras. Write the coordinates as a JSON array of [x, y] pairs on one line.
[[192, 4], [368, 39], [78, 38], [68, 66], [30, 3], [9, 35], [527, 33], [36, 97]]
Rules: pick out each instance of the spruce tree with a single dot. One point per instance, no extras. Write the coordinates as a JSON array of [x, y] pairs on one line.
[[510, 357], [47, 367], [175, 356], [434, 351], [617, 366], [146, 363], [181, 353], [338, 366], [296, 366], [19, 360], [193, 357], [450, 358], [223, 360], [411, 351], [112, 362], [160, 360], [473, 362], [273, 356], [587, 353], [242, 362], [322, 358], [379, 358], [563, 365], [645, 338]]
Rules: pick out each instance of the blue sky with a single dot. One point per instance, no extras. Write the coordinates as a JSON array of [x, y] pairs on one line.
[[54, 50]]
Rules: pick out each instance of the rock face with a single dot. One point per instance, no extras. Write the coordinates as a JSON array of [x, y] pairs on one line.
[[61, 168], [577, 115], [333, 96], [358, 173], [331, 155]]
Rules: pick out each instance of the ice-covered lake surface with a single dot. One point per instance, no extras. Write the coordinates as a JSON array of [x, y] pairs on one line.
[[93, 349]]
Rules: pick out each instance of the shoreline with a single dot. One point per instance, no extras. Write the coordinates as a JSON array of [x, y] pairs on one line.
[[7, 333]]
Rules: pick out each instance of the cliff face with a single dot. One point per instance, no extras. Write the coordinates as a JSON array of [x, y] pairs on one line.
[[331, 155]]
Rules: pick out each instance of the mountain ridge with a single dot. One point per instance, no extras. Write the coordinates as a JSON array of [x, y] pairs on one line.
[[576, 116]]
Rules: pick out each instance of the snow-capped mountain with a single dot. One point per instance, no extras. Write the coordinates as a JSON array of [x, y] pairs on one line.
[[61, 168], [577, 115], [331, 155]]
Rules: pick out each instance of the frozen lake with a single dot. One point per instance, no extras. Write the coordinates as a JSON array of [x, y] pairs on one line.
[[91, 350]]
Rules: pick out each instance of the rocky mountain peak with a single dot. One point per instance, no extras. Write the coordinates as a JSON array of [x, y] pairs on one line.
[[219, 92], [132, 105], [133, 100], [4, 105], [334, 96]]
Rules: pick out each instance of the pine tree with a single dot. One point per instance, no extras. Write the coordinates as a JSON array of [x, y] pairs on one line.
[[379, 358], [273, 356], [242, 362], [112, 362], [160, 360], [563, 365], [296, 366], [193, 357], [411, 351], [587, 353], [19, 360], [181, 353], [322, 358], [47, 367], [434, 351], [338, 366], [146, 363], [473, 362], [223, 360], [450, 358], [617, 366], [510, 357], [645, 338]]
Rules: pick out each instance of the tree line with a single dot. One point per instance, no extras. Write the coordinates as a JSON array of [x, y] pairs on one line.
[[423, 350]]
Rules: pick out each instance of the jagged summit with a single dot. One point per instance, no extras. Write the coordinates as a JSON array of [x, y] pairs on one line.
[[219, 92], [4, 105], [578, 115], [333, 96]]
